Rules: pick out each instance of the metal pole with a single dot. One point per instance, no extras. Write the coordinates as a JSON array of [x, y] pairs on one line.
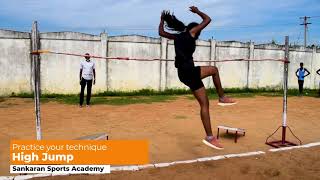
[[305, 31], [36, 77], [285, 90]]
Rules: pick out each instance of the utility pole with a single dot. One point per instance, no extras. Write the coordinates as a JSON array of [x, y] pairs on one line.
[[305, 23]]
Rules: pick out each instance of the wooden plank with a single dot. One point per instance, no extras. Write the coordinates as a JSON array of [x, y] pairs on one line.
[[231, 128], [100, 136]]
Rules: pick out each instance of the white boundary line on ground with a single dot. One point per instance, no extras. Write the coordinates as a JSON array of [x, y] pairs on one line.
[[159, 165]]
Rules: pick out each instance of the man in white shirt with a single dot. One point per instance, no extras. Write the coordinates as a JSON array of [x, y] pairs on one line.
[[87, 75]]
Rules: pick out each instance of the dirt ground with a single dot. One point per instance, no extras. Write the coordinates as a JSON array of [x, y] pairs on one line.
[[173, 128]]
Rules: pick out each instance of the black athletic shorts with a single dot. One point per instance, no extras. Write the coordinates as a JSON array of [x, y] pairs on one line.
[[191, 77]]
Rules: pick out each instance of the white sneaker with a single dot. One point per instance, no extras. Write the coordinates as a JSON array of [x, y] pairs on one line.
[[226, 101], [213, 143]]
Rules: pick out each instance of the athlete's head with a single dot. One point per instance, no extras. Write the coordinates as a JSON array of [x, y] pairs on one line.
[[301, 65], [174, 24], [87, 56]]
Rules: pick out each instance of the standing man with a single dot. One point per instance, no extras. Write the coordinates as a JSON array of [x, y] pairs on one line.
[[87, 74], [300, 73], [318, 72]]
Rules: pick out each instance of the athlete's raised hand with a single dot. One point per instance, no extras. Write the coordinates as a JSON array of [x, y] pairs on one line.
[[194, 9]]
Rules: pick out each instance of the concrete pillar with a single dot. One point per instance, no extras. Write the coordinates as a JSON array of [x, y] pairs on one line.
[[249, 65], [104, 52], [213, 45], [313, 70], [163, 64]]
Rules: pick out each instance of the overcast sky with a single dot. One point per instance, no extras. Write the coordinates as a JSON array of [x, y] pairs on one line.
[[241, 20]]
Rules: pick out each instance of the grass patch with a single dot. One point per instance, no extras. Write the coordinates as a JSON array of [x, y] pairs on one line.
[[22, 95], [149, 96], [145, 92], [112, 100], [146, 96]]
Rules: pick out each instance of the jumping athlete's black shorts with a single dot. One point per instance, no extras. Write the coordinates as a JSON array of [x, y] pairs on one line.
[[191, 77]]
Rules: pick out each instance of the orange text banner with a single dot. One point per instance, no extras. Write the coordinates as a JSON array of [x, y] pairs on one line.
[[111, 152]]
